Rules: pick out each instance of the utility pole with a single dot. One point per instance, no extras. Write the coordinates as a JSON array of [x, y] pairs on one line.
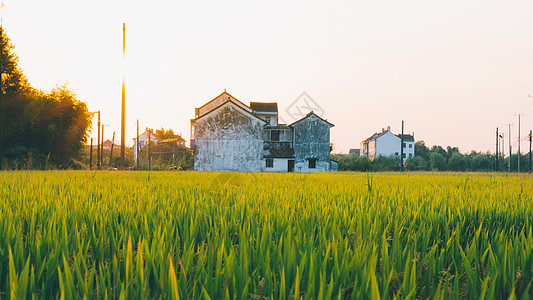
[[111, 154], [123, 116], [98, 144], [91, 156], [497, 138], [401, 150], [510, 147], [102, 148], [530, 137], [502, 152], [137, 145], [519, 115], [149, 155]]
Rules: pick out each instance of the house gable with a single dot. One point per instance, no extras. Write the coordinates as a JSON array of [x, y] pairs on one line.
[[218, 101]]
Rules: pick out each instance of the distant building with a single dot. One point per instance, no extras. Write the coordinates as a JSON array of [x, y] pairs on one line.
[[386, 143], [149, 135], [228, 135], [357, 152]]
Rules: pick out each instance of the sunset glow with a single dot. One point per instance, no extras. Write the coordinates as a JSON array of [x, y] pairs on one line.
[[454, 71]]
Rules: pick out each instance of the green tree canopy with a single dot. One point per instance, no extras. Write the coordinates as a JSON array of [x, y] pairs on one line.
[[38, 129]]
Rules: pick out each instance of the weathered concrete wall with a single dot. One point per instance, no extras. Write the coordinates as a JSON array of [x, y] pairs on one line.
[[280, 165], [311, 140], [229, 139]]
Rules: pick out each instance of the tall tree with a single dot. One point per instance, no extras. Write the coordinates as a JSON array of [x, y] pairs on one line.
[[34, 124]]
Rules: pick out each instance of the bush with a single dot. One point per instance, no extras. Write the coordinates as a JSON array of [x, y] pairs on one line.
[[416, 163]]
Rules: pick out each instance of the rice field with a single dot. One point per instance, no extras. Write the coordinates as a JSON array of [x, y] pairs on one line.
[[194, 235]]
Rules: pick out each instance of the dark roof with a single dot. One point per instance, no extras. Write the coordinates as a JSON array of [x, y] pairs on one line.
[[309, 114], [236, 105], [406, 137], [264, 106], [375, 136], [279, 153]]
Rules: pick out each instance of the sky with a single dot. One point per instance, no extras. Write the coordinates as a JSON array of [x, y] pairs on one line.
[[452, 70]]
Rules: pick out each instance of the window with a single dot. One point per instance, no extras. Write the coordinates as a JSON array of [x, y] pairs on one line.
[[269, 163], [410, 145], [396, 153], [404, 145], [312, 163], [404, 155], [267, 119], [274, 135], [410, 155]]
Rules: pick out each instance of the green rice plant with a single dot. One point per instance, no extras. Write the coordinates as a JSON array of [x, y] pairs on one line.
[[209, 235]]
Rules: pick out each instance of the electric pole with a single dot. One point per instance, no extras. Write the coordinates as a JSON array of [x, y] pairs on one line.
[[102, 148], [111, 154], [502, 152], [137, 144], [519, 115], [401, 150], [91, 156], [98, 143], [123, 116], [496, 162], [510, 147], [530, 136], [148, 154]]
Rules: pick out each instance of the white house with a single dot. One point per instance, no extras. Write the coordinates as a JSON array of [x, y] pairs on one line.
[[228, 135], [386, 143]]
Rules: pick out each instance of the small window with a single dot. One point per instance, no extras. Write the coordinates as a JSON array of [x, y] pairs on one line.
[[404, 155], [396, 153], [410, 155], [410, 145], [274, 135], [312, 163], [269, 163], [267, 119], [404, 145]]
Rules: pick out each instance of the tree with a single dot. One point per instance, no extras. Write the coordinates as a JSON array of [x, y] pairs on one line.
[[417, 163], [480, 162], [437, 161], [459, 162], [421, 150], [38, 128]]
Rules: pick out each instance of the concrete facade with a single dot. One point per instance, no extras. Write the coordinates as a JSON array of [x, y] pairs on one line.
[[228, 139], [311, 142], [386, 143], [227, 135]]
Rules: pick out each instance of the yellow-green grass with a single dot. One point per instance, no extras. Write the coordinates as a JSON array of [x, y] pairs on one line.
[[197, 235]]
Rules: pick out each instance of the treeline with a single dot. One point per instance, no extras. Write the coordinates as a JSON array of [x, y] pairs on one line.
[[435, 158], [38, 130]]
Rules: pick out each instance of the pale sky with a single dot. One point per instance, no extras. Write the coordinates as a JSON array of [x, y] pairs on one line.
[[453, 70]]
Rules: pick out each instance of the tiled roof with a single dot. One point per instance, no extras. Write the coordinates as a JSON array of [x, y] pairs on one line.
[[406, 137], [264, 106]]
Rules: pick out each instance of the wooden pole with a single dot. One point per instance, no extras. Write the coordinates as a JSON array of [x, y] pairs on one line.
[[123, 116], [137, 144], [111, 154], [102, 148], [98, 144], [91, 156], [401, 150]]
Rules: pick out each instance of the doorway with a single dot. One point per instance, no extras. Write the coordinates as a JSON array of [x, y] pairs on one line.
[[290, 165]]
